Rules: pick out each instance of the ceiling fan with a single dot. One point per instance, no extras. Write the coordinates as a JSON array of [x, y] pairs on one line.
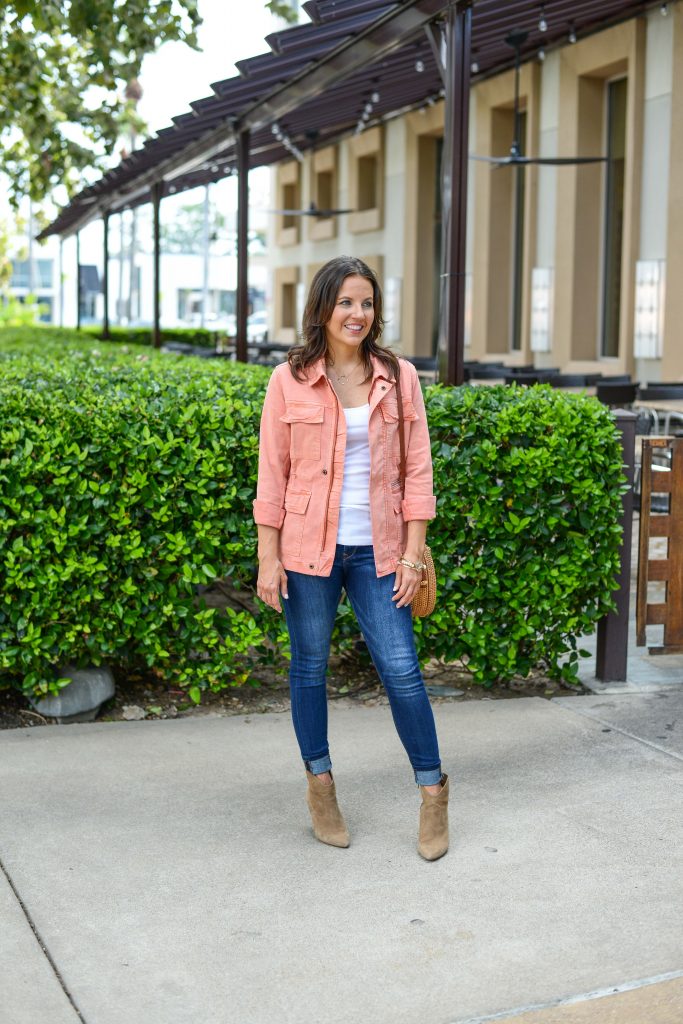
[[311, 211], [517, 40]]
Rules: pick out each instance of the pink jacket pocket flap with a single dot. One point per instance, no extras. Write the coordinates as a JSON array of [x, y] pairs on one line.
[[297, 502], [390, 412], [303, 412]]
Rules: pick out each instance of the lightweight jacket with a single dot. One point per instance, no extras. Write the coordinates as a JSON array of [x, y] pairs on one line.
[[301, 465]]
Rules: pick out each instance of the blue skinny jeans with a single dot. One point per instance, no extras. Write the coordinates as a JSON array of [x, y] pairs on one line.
[[388, 631]]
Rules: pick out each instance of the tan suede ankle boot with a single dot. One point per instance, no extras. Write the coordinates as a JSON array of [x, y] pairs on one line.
[[433, 838], [328, 824]]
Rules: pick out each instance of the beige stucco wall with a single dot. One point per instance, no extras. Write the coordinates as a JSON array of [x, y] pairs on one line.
[[564, 100], [672, 361]]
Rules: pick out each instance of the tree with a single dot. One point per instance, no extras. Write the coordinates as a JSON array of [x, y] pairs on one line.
[[53, 124], [185, 233], [283, 9]]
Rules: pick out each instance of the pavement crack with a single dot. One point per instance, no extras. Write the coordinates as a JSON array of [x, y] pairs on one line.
[[583, 997], [41, 943], [616, 728]]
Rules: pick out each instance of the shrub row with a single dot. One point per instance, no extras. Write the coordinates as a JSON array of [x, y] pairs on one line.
[[126, 481], [137, 335]]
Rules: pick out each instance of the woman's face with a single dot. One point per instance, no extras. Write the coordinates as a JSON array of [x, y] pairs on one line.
[[352, 317]]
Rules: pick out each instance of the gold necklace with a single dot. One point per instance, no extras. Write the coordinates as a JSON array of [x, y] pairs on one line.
[[344, 378]]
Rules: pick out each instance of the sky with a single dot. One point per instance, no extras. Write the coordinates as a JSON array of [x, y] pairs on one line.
[[175, 75]]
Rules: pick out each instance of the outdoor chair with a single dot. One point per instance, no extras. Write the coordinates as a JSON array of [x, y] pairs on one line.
[[487, 372], [615, 393], [574, 380], [666, 393], [426, 367], [538, 377]]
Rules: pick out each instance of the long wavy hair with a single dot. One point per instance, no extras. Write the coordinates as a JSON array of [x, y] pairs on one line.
[[322, 298]]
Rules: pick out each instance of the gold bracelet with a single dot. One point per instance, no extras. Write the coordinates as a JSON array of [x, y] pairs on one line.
[[412, 565]]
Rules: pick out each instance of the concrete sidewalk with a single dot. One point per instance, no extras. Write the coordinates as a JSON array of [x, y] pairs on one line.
[[164, 872]]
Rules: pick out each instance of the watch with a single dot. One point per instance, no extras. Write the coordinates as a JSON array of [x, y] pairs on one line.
[[412, 565]]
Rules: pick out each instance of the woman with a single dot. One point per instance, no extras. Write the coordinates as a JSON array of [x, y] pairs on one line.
[[330, 514]]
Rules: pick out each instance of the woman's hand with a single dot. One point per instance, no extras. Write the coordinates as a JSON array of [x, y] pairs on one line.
[[272, 579], [407, 584]]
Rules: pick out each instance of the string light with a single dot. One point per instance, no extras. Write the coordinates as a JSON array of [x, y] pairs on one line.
[[541, 55], [419, 66], [284, 139], [542, 23], [474, 67], [572, 32], [664, 10], [368, 107]]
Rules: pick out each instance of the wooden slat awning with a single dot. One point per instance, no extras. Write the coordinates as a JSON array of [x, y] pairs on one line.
[[315, 82]]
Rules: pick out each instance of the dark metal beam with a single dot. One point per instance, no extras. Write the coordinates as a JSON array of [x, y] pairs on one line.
[[454, 193], [242, 245], [78, 281], [105, 276], [157, 189]]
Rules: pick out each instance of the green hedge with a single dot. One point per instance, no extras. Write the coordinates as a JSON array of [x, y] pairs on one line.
[[126, 480], [134, 335]]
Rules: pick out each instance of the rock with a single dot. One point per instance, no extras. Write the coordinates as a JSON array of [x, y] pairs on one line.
[[132, 713], [81, 699], [443, 691]]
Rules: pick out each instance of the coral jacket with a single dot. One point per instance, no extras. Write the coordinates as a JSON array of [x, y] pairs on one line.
[[301, 465]]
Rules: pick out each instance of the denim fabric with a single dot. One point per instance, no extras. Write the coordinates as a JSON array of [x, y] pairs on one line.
[[388, 631]]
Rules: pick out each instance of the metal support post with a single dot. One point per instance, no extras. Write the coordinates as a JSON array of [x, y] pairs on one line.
[[105, 277], [242, 245], [156, 205], [454, 192], [78, 281], [612, 647]]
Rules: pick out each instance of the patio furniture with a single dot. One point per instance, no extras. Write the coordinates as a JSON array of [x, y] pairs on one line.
[[574, 380], [527, 379], [664, 400], [616, 393]]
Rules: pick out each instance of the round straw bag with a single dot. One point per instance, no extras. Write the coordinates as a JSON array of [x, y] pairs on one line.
[[424, 601]]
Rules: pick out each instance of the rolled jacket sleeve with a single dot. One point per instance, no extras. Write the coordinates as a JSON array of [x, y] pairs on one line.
[[419, 501], [273, 461]]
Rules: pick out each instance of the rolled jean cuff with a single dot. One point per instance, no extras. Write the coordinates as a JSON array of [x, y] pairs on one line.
[[319, 765], [428, 776]]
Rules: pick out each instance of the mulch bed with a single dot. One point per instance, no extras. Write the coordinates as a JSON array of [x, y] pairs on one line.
[[139, 697]]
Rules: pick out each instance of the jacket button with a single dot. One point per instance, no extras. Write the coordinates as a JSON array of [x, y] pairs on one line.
[[324, 472], [384, 387], [310, 565]]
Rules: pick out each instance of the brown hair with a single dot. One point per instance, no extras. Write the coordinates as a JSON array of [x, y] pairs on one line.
[[322, 297]]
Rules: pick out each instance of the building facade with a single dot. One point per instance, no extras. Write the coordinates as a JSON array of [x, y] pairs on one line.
[[572, 266]]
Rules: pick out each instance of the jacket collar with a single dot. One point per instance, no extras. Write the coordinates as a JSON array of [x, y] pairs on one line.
[[317, 370]]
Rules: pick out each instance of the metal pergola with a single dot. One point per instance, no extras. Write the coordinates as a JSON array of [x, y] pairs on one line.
[[313, 88]]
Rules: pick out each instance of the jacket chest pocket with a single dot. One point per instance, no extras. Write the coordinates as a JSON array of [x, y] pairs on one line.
[[306, 423]]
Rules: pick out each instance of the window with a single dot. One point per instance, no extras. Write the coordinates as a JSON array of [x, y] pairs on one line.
[[290, 201], [289, 305], [616, 92], [42, 274], [288, 190], [286, 313], [368, 167], [323, 185], [366, 180]]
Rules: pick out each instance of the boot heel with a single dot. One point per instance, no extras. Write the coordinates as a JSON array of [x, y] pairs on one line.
[[433, 837], [328, 824]]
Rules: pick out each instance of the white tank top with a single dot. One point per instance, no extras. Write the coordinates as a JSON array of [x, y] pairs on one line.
[[354, 512]]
